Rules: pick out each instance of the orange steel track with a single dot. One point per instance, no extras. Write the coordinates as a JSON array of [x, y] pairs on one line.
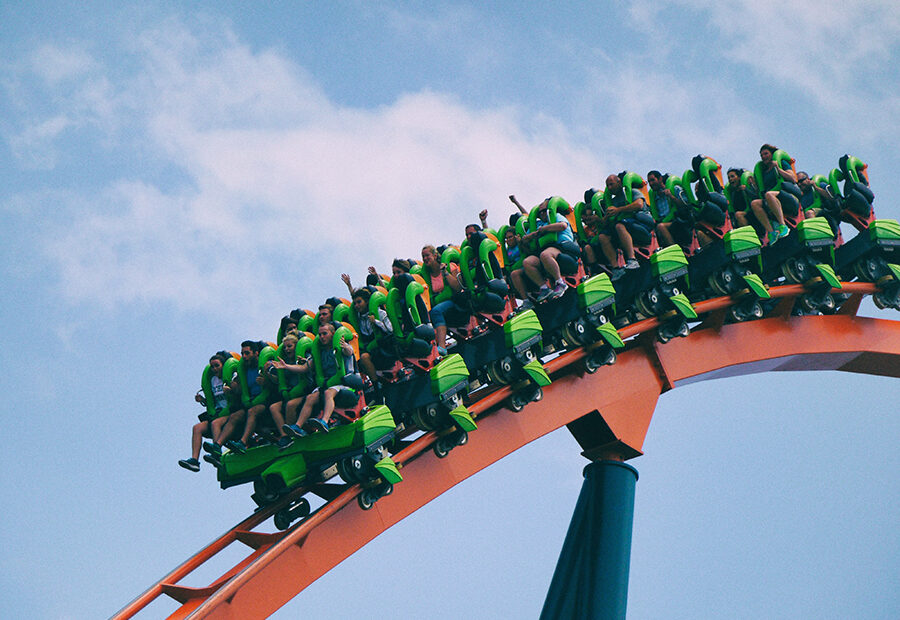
[[609, 413]]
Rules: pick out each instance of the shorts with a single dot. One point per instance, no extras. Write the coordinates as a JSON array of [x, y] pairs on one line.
[[640, 235]]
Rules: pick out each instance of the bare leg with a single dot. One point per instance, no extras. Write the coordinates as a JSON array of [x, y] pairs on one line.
[[311, 401], [518, 282], [625, 241], [200, 428], [665, 236], [440, 335], [761, 216], [548, 260], [532, 267], [328, 407], [368, 366], [277, 418], [252, 415], [608, 250], [775, 206], [230, 426], [290, 414]]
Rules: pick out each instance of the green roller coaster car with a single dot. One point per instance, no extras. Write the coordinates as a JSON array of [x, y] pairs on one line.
[[740, 277], [283, 469], [814, 266], [744, 251], [665, 299], [877, 268], [596, 298], [523, 335]]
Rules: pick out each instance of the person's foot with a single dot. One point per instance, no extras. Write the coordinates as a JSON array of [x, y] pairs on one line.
[[293, 429], [442, 350], [783, 231], [212, 447], [616, 273], [191, 464], [559, 290], [284, 442], [237, 446], [543, 293], [319, 424], [525, 305], [212, 460], [632, 263], [773, 237]]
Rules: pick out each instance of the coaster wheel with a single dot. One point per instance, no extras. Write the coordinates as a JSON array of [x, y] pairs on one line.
[[516, 402], [428, 417], [366, 499], [868, 268]]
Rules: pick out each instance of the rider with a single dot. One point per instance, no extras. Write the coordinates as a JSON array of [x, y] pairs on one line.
[[774, 200]]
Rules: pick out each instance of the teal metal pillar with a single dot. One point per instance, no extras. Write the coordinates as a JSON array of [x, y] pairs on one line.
[[591, 577]]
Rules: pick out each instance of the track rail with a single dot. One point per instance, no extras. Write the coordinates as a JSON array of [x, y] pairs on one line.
[[617, 422]]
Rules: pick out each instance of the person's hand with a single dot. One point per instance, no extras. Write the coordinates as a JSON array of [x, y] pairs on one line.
[[279, 364], [372, 270], [198, 397], [483, 215], [345, 278]]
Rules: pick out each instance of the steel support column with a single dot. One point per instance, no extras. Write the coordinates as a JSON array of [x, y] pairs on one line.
[[591, 577]]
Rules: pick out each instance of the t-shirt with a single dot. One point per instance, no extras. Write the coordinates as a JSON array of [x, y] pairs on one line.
[[218, 391], [253, 388], [662, 202], [563, 235], [770, 177]]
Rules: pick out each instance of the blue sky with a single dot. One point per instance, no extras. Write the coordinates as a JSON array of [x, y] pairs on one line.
[[175, 180]]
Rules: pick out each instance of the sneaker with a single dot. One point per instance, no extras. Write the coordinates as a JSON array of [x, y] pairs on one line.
[[773, 237], [212, 447], [559, 290], [191, 464], [632, 263], [616, 273], [442, 351], [525, 305], [543, 293], [783, 231], [212, 460], [319, 424], [293, 429], [284, 442], [237, 445]]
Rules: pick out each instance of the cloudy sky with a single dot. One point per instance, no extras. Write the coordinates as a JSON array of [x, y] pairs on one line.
[[175, 180]]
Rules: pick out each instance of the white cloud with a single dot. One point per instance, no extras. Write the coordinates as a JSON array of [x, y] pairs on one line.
[[286, 189], [837, 53]]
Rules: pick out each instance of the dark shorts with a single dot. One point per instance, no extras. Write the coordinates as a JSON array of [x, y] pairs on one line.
[[567, 247], [790, 206], [640, 235]]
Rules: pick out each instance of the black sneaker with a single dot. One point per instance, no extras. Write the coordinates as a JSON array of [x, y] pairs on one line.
[[284, 443], [320, 424], [293, 429], [191, 464], [212, 460], [237, 445], [212, 447]]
